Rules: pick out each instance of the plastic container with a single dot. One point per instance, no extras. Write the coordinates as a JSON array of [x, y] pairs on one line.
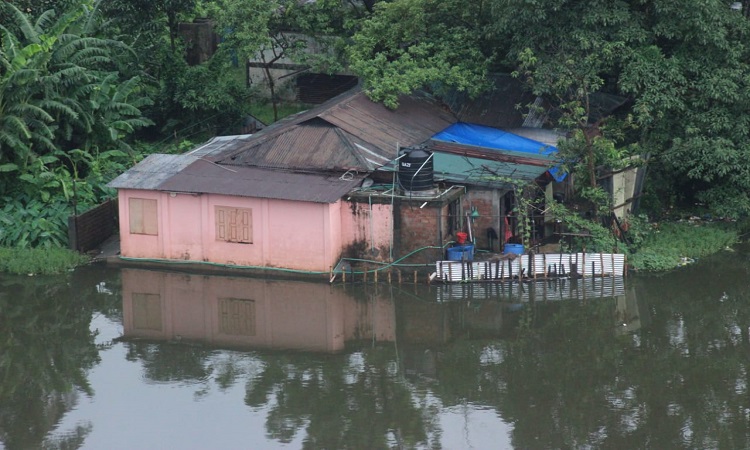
[[461, 237], [513, 248], [461, 253]]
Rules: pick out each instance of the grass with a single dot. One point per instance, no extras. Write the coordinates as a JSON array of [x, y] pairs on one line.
[[674, 244], [39, 261]]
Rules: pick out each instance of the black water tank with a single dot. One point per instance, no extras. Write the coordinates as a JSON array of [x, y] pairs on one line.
[[415, 169]]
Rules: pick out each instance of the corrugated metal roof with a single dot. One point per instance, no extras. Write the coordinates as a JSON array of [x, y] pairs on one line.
[[490, 154], [482, 172], [348, 132], [417, 119], [205, 177], [544, 135], [220, 143], [313, 145], [152, 171]]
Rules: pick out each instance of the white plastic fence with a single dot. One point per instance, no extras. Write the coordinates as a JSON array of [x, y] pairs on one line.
[[544, 265]]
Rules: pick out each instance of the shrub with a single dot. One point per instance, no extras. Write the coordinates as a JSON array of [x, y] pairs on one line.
[[670, 245]]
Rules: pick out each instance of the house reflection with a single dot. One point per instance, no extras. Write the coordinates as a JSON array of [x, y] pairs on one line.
[[250, 313]]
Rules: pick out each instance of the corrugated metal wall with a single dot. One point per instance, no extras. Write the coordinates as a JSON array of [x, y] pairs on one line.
[[88, 230]]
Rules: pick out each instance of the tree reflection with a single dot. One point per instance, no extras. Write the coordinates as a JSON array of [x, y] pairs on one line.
[[350, 400], [564, 374], [569, 380], [46, 347], [342, 401], [169, 362]]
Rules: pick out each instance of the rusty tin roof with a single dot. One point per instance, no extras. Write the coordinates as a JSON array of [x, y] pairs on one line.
[[316, 155], [347, 132]]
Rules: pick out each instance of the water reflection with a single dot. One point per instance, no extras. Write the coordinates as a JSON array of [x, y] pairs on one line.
[[661, 362], [410, 365], [46, 348], [248, 313]]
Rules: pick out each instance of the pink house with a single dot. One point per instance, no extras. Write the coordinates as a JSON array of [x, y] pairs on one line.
[[284, 198]]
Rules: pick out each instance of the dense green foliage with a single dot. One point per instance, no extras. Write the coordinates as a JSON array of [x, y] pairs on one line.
[[65, 111], [82, 80], [682, 69], [410, 44]]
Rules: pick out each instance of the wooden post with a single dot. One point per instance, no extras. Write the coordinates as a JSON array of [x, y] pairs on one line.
[[398, 271], [343, 276], [389, 276], [415, 277], [510, 270], [376, 276], [583, 269]]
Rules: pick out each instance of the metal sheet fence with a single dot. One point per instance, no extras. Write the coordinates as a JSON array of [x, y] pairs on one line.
[[545, 265]]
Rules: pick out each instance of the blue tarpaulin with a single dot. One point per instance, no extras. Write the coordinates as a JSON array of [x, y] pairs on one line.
[[488, 137]]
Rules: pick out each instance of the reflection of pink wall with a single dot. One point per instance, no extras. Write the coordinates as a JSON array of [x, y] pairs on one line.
[[289, 315], [288, 234], [372, 224]]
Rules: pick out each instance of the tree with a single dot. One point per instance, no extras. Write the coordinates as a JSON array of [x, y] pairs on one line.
[[411, 44], [274, 31], [59, 90], [63, 103], [689, 81], [144, 20]]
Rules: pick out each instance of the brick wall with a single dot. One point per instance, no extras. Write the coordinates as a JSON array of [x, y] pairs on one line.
[[416, 227]]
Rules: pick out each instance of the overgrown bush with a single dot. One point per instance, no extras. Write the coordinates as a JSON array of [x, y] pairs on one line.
[[673, 244], [39, 261]]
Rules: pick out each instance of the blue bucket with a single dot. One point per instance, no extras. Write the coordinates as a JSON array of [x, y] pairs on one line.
[[461, 253], [513, 248]]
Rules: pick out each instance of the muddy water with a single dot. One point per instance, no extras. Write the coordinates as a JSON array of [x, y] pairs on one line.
[[124, 359]]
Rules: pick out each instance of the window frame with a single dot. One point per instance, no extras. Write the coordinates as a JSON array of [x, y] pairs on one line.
[[231, 230], [143, 216]]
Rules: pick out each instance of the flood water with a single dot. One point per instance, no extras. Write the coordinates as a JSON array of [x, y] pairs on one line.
[[106, 358]]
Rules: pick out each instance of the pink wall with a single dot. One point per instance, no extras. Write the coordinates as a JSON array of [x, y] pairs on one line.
[[296, 235], [289, 315], [372, 224]]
